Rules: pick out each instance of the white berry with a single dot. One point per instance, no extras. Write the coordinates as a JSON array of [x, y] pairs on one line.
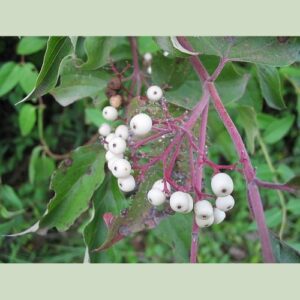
[[104, 129], [204, 222], [108, 139], [148, 57], [110, 155], [121, 168], [154, 93], [225, 203], [180, 202], [219, 216], [221, 184], [141, 124], [191, 204], [122, 132], [126, 184], [203, 209], [117, 145], [110, 113], [156, 197], [159, 184]]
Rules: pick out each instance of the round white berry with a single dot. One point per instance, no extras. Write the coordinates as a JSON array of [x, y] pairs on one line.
[[110, 113], [122, 132], [117, 145], [141, 124], [110, 155], [104, 129], [126, 184], [121, 168], [204, 222], [108, 139], [219, 216], [221, 184], [225, 203], [191, 204], [180, 202], [148, 57], [203, 209], [154, 93], [159, 184], [156, 197]]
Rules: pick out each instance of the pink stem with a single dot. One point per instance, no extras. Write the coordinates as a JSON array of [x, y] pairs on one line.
[[136, 76], [198, 181], [249, 172], [274, 186]]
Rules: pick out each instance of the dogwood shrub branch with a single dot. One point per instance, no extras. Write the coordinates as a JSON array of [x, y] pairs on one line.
[[254, 199]]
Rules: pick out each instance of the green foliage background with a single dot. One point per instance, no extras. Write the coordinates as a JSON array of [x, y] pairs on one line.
[[260, 92]]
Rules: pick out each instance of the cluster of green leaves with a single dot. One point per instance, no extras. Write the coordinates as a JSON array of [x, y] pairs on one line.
[[260, 88]]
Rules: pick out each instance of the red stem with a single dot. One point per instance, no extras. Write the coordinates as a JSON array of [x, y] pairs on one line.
[[274, 186], [198, 181], [254, 199]]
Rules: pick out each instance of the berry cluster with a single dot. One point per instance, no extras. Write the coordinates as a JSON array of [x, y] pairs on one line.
[[164, 191]]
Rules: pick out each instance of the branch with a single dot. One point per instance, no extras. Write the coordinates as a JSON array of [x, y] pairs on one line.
[[274, 186], [197, 181], [248, 170]]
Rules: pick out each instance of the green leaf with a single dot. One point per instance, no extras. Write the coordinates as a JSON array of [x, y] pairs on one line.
[[94, 116], [57, 49], [247, 117], [44, 167], [28, 77], [9, 197], [77, 84], [293, 206], [74, 184], [29, 45], [278, 129], [259, 50], [27, 118], [33, 162], [283, 252], [107, 198], [185, 88], [98, 51], [270, 85], [9, 77], [147, 44], [174, 231], [166, 44], [139, 216], [252, 96]]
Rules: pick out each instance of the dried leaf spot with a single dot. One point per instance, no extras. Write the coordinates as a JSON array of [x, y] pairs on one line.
[[68, 162]]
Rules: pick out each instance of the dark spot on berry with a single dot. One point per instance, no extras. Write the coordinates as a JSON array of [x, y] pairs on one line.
[[115, 168], [120, 184], [155, 92], [114, 145], [134, 127], [224, 190], [150, 200], [179, 206], [229, 207], [204, 217]]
